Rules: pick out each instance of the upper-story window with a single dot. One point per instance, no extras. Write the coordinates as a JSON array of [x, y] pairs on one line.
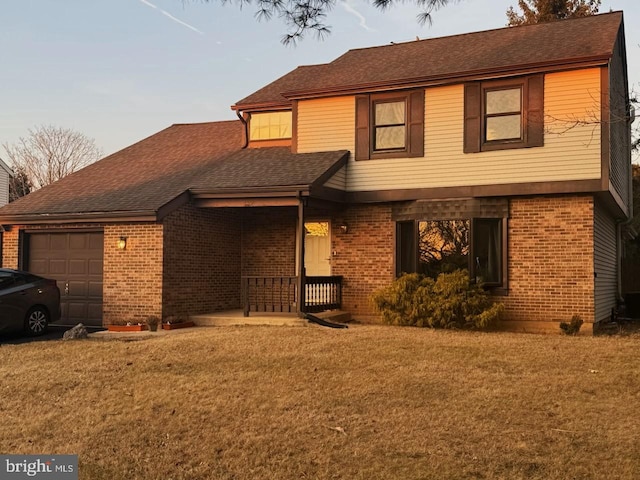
[[504, 114], [270, 126], [390, 125]]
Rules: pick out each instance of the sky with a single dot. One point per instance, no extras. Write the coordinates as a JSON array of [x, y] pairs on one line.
[[121, 70]]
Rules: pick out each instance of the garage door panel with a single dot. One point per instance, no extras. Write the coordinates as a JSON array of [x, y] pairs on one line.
[[38, 266], [58, 242], [39, 242], [96, 241], [78, 288], [57, 267], [75, 261], [77, 242], [95, 267], [95, 311], [95, 289], [78, 266], [78, 312]]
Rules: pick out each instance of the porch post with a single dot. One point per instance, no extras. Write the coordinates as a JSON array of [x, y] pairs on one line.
[[300, 256]]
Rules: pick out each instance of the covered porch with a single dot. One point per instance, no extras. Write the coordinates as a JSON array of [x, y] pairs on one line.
[[283, 229]]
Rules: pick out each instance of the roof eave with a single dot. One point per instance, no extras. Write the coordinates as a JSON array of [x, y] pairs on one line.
[[81, 217], [251, 192], [261, 107], [471, 75]]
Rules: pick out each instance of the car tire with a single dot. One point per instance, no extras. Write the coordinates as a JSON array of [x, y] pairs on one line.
[[36, 321]]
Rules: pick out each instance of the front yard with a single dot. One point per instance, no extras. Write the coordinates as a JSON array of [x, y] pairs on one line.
[[370, 402]]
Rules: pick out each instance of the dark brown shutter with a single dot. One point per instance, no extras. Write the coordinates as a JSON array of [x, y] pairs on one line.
[[472, 117], [535, 111], [363, 135], [416, 124]]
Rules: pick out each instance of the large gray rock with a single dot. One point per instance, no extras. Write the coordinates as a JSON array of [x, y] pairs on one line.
[[79, 331]]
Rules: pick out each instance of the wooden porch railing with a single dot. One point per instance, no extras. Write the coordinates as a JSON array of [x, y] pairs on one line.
[[279, 294], [323, 293], [269, 294]]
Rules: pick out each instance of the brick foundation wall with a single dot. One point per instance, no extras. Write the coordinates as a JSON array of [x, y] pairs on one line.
[[269, 241], [202, 261], [132, 277], [550, 259], [364, 256]]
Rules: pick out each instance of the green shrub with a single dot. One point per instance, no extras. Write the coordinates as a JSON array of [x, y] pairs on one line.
[[573, 327], [451, 301]]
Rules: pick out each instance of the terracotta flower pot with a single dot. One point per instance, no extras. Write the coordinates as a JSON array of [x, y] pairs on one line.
[[173, 326], [126, 328]]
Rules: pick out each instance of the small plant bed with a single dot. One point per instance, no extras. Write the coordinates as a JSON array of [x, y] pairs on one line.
[[173, 326], [127, 328]]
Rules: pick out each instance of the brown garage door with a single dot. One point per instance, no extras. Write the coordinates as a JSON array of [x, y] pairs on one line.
[[75, 261]]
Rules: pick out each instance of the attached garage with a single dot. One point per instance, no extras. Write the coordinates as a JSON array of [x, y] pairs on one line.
[[75, 261]]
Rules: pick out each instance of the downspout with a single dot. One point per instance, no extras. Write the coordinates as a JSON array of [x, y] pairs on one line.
[[246, 128]]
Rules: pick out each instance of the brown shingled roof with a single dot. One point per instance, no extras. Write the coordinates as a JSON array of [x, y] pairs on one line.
[[139, 180], [440, 59], [275, 167]]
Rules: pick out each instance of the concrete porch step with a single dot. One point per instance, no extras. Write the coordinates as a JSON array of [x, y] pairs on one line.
[[236, 317]]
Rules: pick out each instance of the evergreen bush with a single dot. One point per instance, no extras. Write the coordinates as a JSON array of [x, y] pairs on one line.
[[451, 301]]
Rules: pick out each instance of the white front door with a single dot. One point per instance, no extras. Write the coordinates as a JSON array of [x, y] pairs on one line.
[[317, 249]]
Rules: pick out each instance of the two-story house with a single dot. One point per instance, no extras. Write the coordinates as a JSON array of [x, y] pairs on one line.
[[504, 152]]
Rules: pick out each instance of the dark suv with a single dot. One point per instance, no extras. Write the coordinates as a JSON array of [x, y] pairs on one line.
[[27, 302]]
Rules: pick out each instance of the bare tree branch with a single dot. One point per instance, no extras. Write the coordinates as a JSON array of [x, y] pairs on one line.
[[50, 153]]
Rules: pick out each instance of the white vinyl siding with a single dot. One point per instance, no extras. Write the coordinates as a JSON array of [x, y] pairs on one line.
[[619, 131], [339, 180], [571, 146], [605, 263], [326, 125], [4, 186]]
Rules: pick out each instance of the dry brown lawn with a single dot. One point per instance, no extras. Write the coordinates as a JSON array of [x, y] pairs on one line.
[[370, 402]]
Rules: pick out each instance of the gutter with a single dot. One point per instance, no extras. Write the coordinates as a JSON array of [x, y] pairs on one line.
[[246, 128], [57, 218], [281, 191]]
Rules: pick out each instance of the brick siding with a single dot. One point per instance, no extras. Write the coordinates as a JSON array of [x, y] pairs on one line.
[[192, 262], [132, 282], [364, 256], [269, 241], [10, 248], [550, 259], [202, 261]]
